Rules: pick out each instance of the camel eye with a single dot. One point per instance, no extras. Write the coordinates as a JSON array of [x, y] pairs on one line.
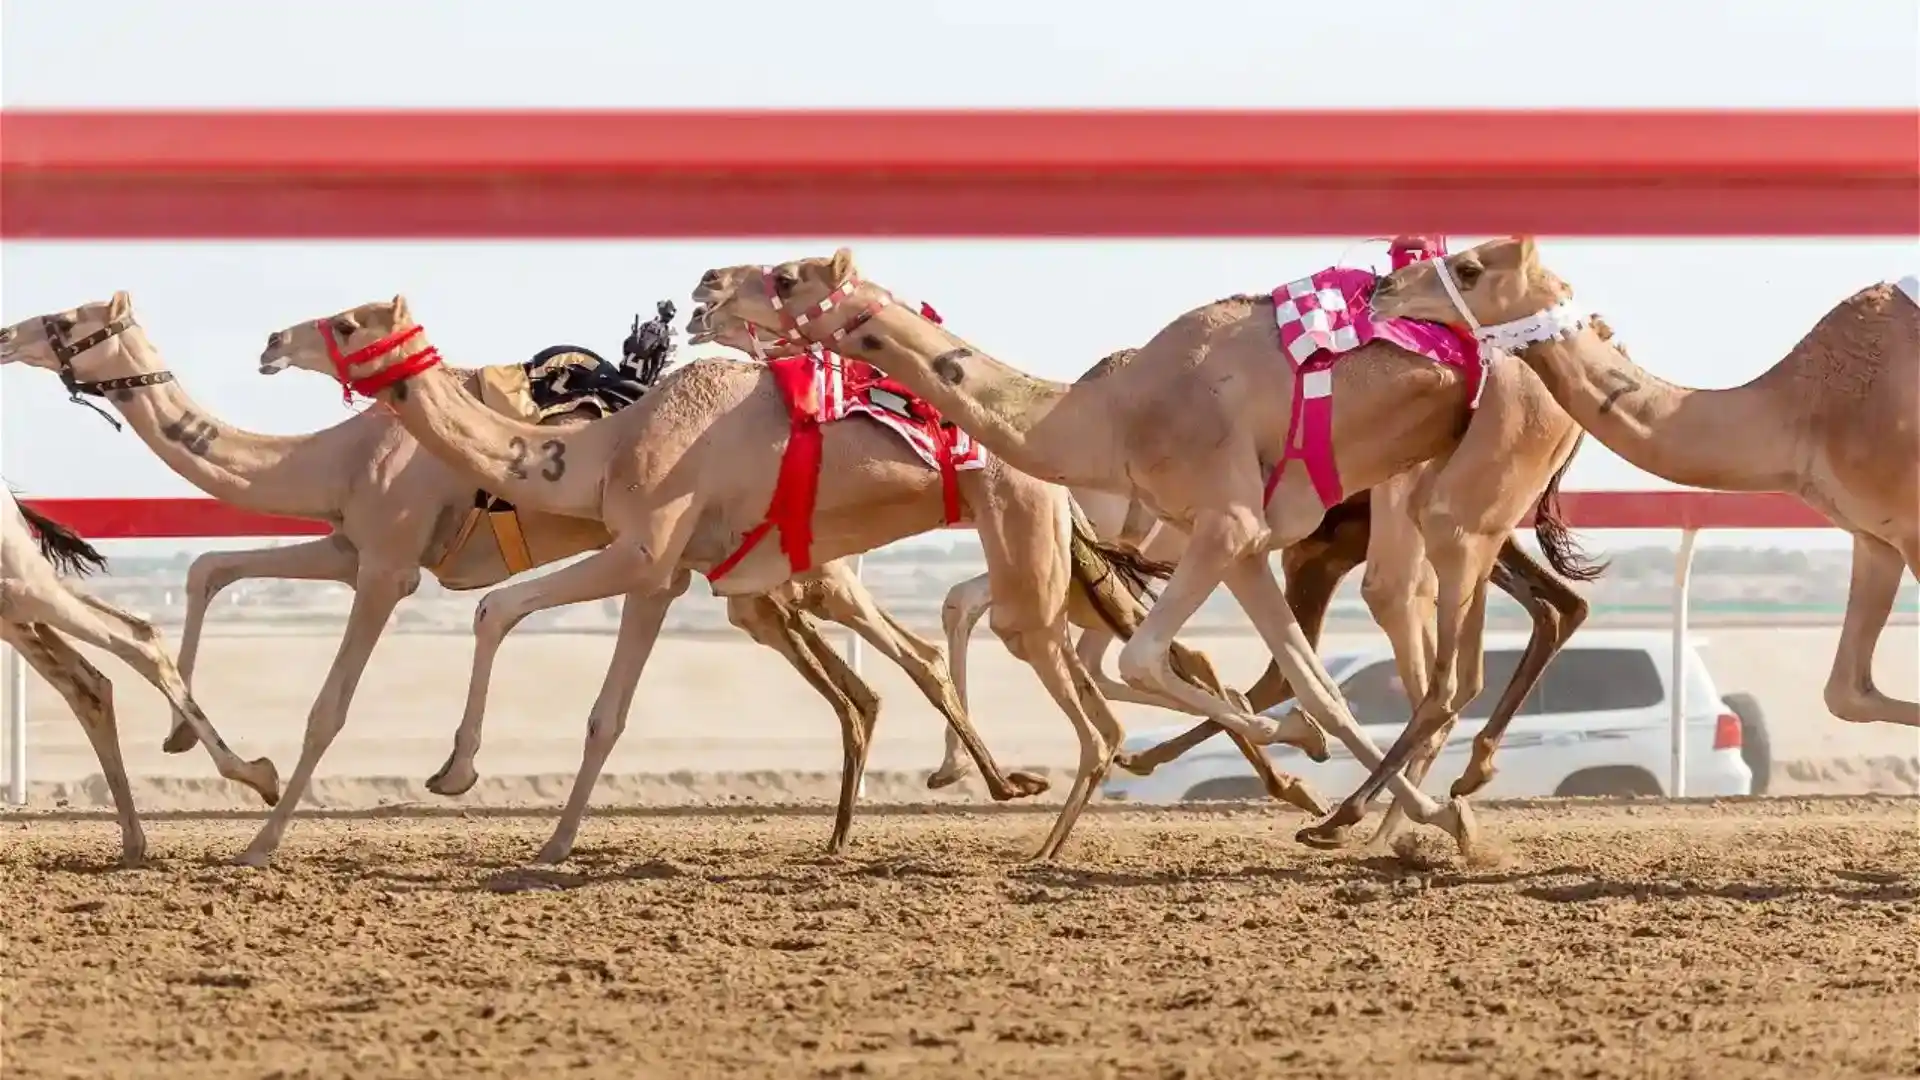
[[786, 280], [344, 327], [1468, 273]]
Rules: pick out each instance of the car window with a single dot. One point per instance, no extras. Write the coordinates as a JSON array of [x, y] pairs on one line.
[[1601, 680], [1500, 666], [1376, 696]]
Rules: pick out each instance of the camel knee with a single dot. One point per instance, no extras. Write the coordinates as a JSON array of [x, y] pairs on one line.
[[1141, 661], [207, 578], [1847, 700]]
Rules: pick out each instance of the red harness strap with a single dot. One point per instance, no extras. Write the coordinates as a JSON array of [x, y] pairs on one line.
[[798, 485], [1310, 433]]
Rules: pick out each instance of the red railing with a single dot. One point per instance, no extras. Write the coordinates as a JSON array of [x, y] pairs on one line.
[[172, 519], [92, 175]]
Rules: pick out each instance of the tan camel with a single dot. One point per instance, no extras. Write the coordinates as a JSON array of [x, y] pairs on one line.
[[1196, 426], [37, 608], [690, 479], [1398, 579], [781, 619], [1836, 422], [397, 511]]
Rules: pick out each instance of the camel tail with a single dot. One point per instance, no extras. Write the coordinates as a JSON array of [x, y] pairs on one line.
[[1557, 544], [67, 550], [1118, 582]]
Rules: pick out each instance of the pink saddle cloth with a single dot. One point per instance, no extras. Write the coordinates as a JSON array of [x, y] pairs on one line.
[[1324, 317]]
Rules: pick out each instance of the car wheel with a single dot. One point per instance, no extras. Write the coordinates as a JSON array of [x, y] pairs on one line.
[[1755, 750], [1613, 780], [1226, 789]]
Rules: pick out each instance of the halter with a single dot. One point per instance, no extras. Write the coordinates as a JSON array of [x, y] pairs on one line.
[[1549, 324], [379, 380], [65, 352]]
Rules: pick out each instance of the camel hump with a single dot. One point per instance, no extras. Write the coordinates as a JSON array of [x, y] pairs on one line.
[[1911, 286]]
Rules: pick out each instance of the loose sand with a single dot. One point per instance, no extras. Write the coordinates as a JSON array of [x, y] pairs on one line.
[[1763, 938]]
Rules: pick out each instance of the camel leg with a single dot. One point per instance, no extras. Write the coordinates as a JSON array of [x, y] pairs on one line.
[[1557, 611], [792, 635], [1312, 578], [95, 622], [641, 616], [325, 559], [1462, 560], [844, 600], [1850, 693], [1027, 558], [493, 617], [377, 590], [90, 695], [1146, 659], [959, 613]]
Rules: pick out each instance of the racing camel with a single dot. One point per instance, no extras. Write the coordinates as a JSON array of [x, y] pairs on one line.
[[39, 611], [1836, 421]]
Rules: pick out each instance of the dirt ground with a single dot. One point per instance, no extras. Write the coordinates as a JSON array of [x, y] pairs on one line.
[[1716, 940]]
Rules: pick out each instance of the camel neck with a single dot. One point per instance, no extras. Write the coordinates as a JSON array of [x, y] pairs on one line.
[[1730, 440], [1032, 424], [243, 468], [556, 470]]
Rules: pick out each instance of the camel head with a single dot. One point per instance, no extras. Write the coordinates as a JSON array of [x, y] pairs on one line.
[[82, 345], [316, 343], [1498, 282], [750, 307]]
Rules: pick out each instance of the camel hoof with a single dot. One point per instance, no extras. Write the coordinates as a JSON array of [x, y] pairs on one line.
[[1471, 781], [180, 740], [1457, 819], [1133, 763], [1301, 796], [946, 776], [1025, 785], [451, 782], [264, 778], [1296, 729], [1325, 836], [133, 854], [554, 853], [253, 860]]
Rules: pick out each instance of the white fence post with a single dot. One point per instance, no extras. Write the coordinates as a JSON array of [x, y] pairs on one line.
[[16, 670], [1677, 732]]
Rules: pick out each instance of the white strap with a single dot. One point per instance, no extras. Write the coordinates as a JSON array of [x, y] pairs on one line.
[[1557, 321]]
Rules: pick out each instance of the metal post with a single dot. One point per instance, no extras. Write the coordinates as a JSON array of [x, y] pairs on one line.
[[16, 729], [1677, 731]]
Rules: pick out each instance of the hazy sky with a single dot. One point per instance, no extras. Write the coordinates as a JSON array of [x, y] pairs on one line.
[[208, 306]]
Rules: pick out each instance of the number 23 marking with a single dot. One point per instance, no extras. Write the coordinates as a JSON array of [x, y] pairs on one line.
[[553, 451]]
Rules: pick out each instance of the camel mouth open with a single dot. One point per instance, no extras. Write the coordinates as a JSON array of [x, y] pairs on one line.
[[274, 365], [700, 329]]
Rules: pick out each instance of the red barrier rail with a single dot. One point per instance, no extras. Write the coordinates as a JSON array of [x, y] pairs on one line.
[[129, 519], [1137, 173]]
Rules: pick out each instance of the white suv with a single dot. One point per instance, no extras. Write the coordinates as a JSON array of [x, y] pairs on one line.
[[1596, 723]]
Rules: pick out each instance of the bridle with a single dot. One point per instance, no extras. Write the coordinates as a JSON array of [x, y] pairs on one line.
[[65, 352], [379, 380], [795, 325], [1548, 324]]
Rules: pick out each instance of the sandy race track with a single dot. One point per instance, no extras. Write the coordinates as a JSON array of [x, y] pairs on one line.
[[1714, 940]]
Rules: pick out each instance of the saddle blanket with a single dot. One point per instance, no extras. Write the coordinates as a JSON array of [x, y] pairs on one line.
[[844, 387], [1324, 317]]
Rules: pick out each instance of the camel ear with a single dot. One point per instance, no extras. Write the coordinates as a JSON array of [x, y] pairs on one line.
[[1529, 255], [842, 265], [120, 307], [401, 316]]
